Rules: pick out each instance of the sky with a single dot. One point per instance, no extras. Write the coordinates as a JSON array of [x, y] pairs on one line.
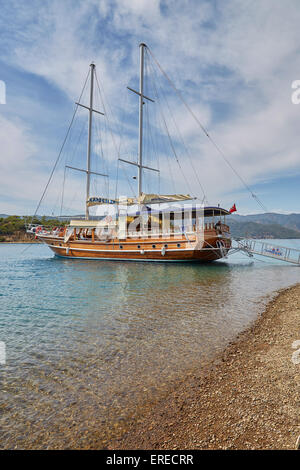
[[233, 62]]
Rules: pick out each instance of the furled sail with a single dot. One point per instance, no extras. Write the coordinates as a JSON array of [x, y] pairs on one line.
[[96, 201], [143, 199], [160, 198]]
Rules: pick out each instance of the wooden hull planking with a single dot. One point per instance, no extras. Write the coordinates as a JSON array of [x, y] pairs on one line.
[[179, 249]]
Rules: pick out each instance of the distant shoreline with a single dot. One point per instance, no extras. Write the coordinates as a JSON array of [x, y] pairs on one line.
[[22, 243], [26, 239], [247, 398]]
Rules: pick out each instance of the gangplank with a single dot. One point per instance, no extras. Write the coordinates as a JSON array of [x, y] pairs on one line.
[[267, 249]]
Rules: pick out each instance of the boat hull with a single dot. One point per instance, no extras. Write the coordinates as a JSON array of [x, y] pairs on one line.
[[119, 251]]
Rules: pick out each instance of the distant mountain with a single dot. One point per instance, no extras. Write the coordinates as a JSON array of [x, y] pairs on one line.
[[256, 230], [291, 221]]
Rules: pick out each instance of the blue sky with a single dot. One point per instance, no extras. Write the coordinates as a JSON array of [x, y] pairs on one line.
[[233, 61]]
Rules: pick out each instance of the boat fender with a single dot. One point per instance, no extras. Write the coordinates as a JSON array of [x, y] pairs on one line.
[[67, 250], [142, 252], [163, 251]]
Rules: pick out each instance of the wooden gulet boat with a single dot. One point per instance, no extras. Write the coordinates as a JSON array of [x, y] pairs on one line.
[[189, 233]]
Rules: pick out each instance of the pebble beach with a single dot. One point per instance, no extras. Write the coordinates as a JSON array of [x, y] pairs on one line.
[[247, 398]]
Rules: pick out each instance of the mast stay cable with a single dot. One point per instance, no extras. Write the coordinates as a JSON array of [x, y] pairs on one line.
[[111, 132], [179, 94], [61, 149], [181, 138]]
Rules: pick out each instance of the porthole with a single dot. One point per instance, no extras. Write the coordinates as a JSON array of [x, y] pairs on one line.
[[139, 246], [166, 246], [178, 245], [121, 247], [153, 246]]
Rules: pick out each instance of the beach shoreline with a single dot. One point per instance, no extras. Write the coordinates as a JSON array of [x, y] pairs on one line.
[[248, 397]]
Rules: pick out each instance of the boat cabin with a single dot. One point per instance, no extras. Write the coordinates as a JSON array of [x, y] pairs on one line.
[[149, 223]]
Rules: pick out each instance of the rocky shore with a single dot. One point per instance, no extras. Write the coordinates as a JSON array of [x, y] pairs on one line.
[[248, 398], [19, 237]]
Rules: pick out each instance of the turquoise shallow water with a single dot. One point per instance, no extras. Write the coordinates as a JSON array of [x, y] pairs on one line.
[[88, 342]]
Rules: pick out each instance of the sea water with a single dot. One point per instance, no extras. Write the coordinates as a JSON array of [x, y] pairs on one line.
[[88, 343]]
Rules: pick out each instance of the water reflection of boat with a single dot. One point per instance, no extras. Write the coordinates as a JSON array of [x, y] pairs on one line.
[[193, 233]]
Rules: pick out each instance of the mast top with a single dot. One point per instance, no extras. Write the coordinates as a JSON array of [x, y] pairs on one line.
[[142, 44]]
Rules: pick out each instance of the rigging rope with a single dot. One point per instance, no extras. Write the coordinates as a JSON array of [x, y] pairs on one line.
[[206, 132], [169, 136], [106, 114], [63, 192], [182, 141], [61, 149], [70, 160], [112, 135]]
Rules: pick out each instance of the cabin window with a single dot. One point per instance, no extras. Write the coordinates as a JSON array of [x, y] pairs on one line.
[[153, 246], [166, 246], [139, 246], [178, 245], [121, 247]]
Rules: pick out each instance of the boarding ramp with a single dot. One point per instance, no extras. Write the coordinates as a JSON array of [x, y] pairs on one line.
[[258, 247]]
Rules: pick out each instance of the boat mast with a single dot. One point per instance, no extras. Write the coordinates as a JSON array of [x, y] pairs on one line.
[[142, 97], [141, 93], [88, 163]]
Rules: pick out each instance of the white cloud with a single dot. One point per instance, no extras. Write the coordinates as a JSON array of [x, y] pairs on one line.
[[21, 177], [241, 55], [16, 144]]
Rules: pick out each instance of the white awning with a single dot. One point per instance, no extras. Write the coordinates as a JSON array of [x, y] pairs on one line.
[[161, 198]]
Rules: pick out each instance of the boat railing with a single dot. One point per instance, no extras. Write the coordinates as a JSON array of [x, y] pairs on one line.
[[187, 233], [291, 255], [159, 233]]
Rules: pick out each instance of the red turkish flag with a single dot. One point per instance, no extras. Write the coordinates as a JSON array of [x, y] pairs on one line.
[[233, 209]]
